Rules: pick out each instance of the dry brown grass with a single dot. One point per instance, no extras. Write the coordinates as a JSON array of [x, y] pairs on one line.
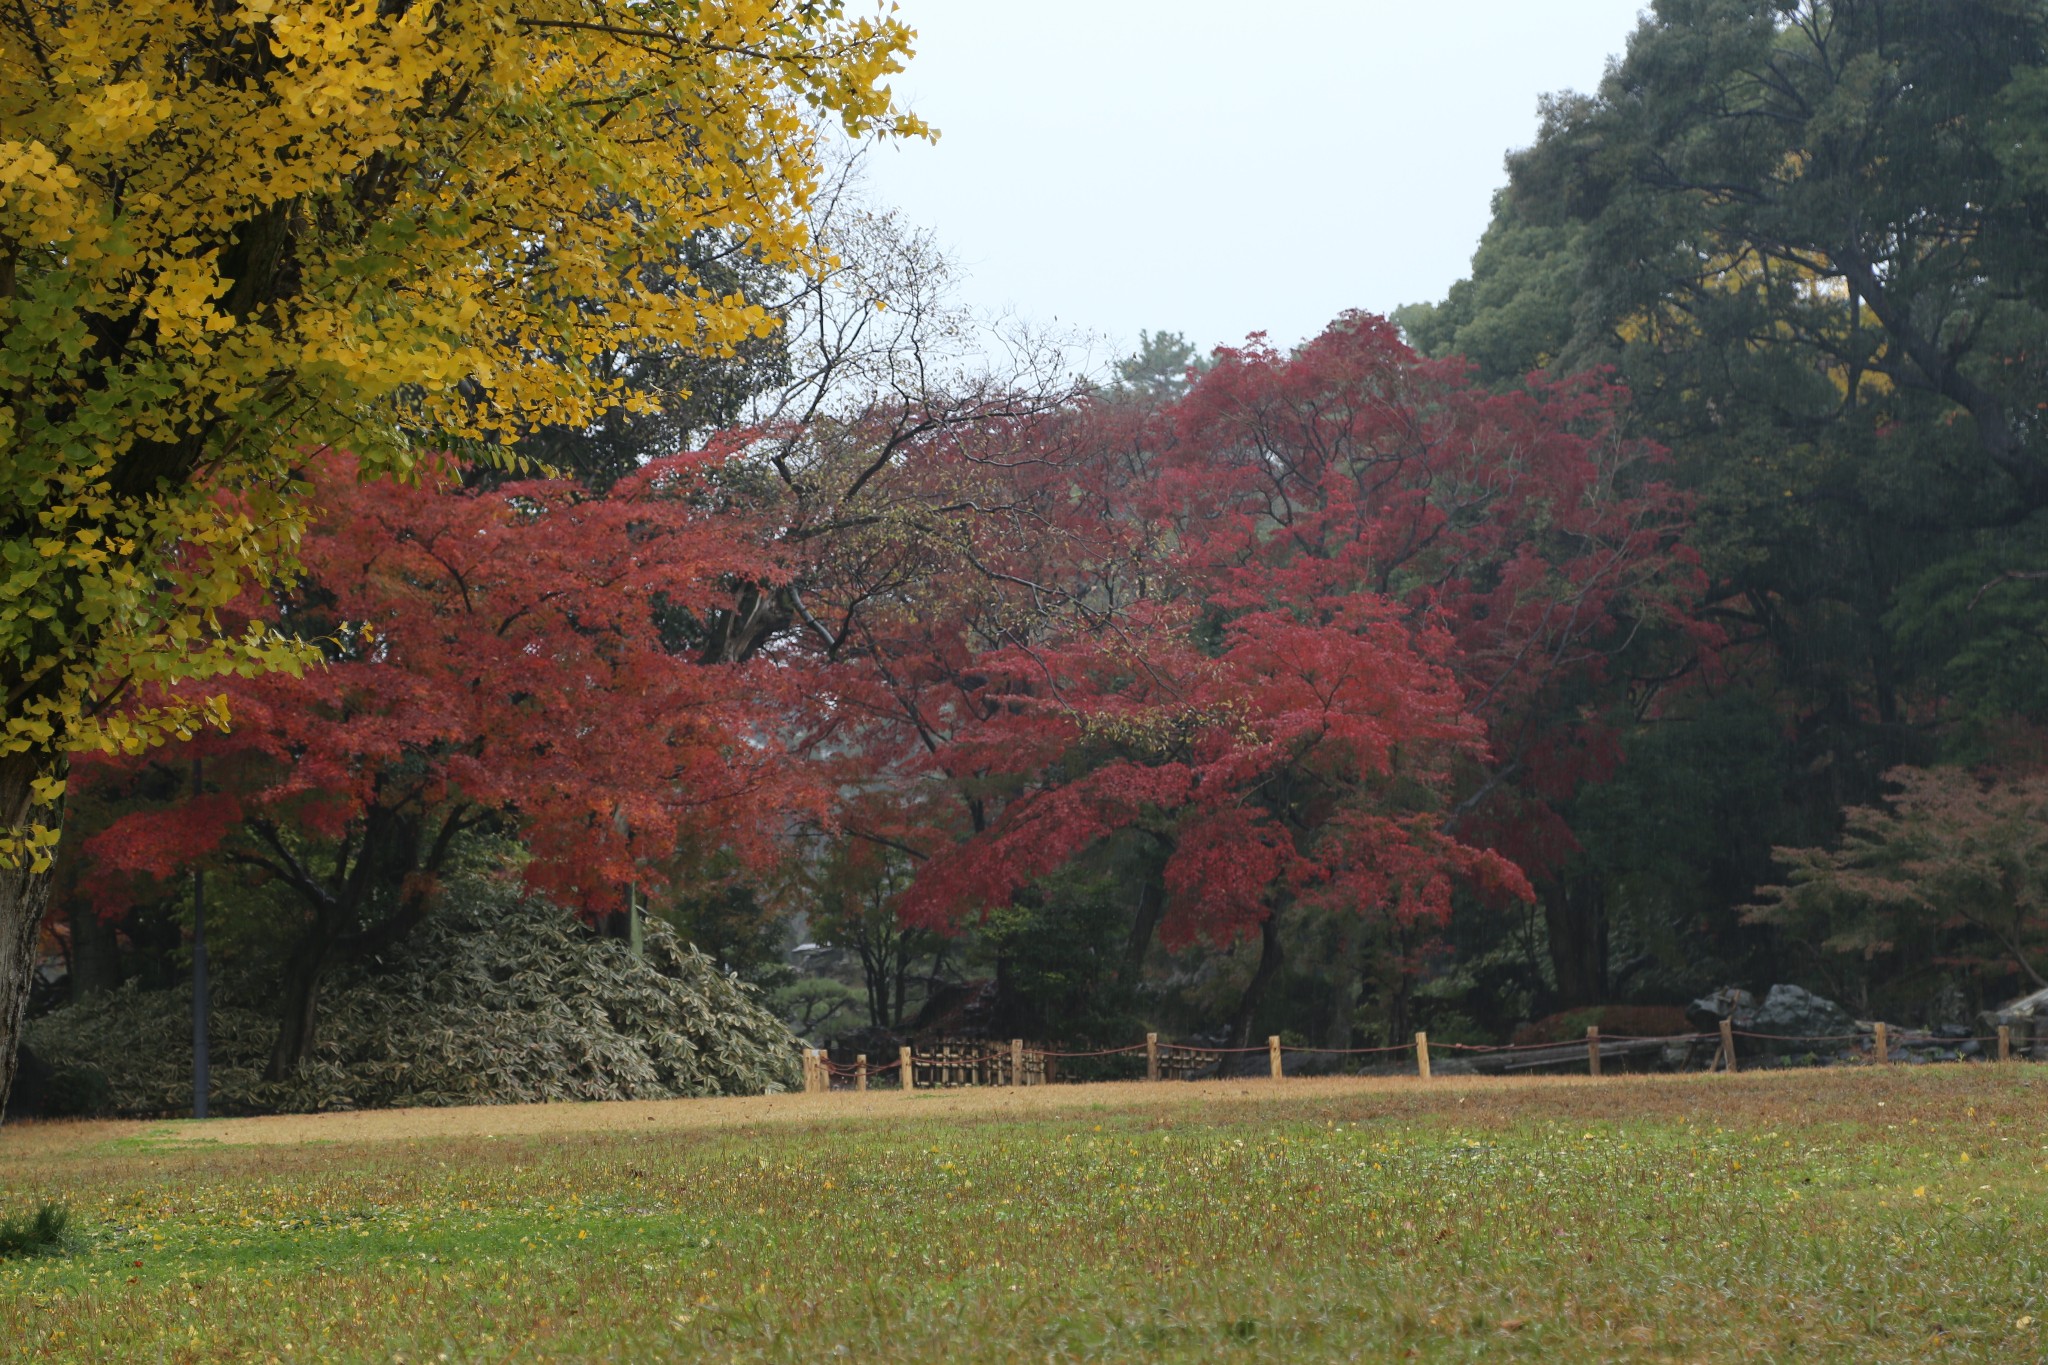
[[1760, 1097]]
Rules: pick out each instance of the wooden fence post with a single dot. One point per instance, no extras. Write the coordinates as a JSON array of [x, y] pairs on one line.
[[1422, 1055], [1884, 1042], [2005, 1042], [1728, 1045], [1593, 1051], [909, 1068], [860, 1071], [1016, 1061], [1273, 1054], [1151, 1056]]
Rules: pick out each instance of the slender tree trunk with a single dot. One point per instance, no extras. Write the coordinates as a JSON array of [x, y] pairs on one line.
[[24, 895], [1400, 999], [390, 849], [874, 975], [1270, 955], [1337, 1029], [296, 1028], [1140, 941], [1575, 913]]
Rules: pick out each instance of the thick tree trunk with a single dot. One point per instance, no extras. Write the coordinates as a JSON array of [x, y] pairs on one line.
[[1270, 955], [24, 894], [1575, 913]]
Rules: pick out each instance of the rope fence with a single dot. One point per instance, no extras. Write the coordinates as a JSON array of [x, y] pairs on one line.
[[981, 1062]]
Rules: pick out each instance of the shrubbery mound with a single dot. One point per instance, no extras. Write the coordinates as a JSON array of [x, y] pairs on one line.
[[496, 999]]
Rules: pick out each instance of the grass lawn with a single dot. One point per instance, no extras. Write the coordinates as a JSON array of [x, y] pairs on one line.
[[1851, 1215]]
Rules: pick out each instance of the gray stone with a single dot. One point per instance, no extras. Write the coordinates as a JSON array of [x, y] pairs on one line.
[[1730, 1002], [1797, 1014], [2027, 1017]]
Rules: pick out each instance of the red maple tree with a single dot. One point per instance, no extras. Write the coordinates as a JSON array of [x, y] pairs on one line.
[[1523, 524], [1339, 628], [520, 656]]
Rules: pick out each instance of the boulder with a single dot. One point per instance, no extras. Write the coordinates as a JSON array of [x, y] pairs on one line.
[[1798, 1014], [2026, 1016], [1730, 1002], [2026, 1007]]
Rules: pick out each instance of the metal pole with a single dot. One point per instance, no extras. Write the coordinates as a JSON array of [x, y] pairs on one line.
[[200, 999]]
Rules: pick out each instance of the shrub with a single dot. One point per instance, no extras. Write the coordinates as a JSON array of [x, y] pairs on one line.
[[496, 999]]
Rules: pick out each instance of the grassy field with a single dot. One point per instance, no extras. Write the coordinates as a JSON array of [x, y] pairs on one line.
[[1851, 1215]]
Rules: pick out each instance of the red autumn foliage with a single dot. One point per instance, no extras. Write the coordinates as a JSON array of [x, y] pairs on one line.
[[1337, 629], [505, 656], [1521, 524], [1330, 628], [1296, 760]]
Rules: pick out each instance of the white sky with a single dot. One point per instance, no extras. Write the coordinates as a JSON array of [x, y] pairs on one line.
[[1216, 167]]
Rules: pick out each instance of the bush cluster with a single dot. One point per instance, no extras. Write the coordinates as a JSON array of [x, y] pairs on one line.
[[499, 998]]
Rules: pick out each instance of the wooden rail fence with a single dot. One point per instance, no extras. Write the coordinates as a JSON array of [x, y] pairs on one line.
[[956, 1063]]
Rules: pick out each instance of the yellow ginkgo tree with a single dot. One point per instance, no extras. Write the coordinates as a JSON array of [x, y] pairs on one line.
[[236, 231]]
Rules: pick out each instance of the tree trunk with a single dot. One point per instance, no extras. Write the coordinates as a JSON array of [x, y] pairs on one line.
[[906, 957], [24, 894], [1255, 989], [1140, 941], [1575, 912], [301, 1005], [1343, 1002]]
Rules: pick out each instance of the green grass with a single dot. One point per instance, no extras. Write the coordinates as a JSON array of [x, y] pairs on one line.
[[1840, 1215]]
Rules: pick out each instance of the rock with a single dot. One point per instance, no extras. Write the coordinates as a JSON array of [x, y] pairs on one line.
[[1795, 1013], [1730, 1002], [2026, 1007], [2027, 1017]]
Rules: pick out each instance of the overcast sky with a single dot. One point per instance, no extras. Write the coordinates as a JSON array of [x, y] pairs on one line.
[[1216, 167]]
